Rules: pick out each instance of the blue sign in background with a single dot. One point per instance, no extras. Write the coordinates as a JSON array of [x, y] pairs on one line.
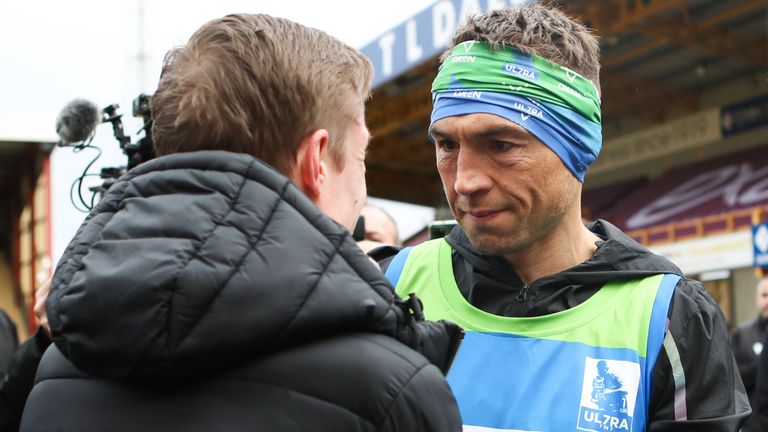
[[423, 36], [760, 244], [743, 116]]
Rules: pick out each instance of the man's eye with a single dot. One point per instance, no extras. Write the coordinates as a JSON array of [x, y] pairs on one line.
[[501, 146], [447, 145]]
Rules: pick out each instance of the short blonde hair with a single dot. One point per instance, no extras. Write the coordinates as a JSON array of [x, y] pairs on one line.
[[258, 84]]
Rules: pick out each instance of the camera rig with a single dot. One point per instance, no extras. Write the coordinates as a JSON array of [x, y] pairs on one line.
[[137, 152], [141, 150]]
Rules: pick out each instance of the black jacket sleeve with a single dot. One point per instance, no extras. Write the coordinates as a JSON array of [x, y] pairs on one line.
[[9, 340], [19, 380], [696, 385], [422, 405]]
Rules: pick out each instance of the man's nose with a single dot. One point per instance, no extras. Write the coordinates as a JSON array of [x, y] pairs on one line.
[[471, 173]]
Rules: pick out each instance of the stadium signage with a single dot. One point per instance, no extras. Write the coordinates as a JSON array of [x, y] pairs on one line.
[[737, 185], [685, 133], [760, 244], [423, 36], [725, 251], [744, 116]]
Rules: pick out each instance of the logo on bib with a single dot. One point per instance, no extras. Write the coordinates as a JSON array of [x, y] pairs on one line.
[[608, 395]]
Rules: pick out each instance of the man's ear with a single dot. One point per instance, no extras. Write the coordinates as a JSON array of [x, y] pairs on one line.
[[311, 170]]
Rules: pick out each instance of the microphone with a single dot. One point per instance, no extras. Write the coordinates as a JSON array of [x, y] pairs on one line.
[[359, 232], [77, 121]]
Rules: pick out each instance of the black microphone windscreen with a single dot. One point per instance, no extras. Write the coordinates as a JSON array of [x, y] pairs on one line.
[[77, 120], [359, 233]]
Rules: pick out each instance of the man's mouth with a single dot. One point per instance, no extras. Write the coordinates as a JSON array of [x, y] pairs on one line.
[[482, 215]]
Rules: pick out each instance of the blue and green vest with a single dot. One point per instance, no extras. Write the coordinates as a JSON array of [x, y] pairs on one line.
[[587, 368]]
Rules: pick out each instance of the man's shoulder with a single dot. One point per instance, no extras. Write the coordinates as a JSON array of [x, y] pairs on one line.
[[749, 326], [348, 375], [748, 333], [692, 300], [695, 292], [695, 316]]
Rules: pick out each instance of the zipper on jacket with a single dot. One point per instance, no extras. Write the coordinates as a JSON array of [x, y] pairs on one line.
[[523, 293]]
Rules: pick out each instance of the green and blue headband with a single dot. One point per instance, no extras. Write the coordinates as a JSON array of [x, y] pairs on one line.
[[558, 106]]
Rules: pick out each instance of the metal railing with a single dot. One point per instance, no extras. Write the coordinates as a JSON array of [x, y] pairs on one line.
[[700, 227]]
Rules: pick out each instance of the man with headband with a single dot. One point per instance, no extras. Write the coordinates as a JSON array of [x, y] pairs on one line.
[[567, 327]]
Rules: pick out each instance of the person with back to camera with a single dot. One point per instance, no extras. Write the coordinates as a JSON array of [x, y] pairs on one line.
[[217, 287], [549, 305]]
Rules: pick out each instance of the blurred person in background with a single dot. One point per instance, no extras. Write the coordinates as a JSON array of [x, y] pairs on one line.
[[218, 287], [380, 226], [9, 340], [22, 366], [380, 229], [747, 343]]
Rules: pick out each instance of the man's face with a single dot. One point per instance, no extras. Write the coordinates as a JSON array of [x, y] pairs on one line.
[[506, 188], [344, 192], [379, 227], [762, 297]]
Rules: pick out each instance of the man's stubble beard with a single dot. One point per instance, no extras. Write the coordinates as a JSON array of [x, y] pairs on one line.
[[519, 239]]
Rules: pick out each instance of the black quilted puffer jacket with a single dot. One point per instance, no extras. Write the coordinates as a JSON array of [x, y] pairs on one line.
[[206, 292]]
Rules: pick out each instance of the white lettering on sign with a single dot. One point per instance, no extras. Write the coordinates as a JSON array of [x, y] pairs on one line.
[[442, 18], [724, 251], [728, 182], [761, 243], [497, 4], [756, 193], [413, 50], [469, 7], [443, 23], [385, 43]]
